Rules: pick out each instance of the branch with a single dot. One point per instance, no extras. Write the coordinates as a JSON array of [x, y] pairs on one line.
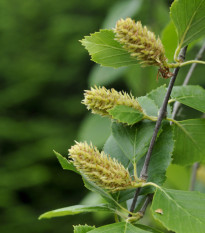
[[193, 176], [162, 115], [186, 80]]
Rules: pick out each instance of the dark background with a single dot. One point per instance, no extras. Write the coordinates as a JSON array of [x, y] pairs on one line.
[[43, 72]]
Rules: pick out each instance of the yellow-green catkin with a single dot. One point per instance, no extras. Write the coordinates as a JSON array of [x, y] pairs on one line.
[[100, 168], [100, 100], [142, 44]]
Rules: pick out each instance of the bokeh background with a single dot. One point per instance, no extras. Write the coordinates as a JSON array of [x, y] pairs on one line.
[[43, 72]]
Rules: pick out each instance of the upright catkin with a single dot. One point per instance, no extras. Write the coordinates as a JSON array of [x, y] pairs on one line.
[[100, 100], [100, 168], [142, 44]]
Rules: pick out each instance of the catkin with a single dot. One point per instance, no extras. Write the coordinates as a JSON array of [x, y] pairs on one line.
[[100, 168]]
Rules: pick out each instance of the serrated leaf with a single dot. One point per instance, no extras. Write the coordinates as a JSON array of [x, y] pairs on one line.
[[158, 95], [148, 105], [65, 164], [192, 96], [133, 141], [122, 227], [149, 229], [189, 20], [105, 50], [83, 228], [76, 209], [182, 211], [190, 144], [126, 114]]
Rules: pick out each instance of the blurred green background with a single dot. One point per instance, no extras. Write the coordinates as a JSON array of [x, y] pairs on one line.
[[43, 72]]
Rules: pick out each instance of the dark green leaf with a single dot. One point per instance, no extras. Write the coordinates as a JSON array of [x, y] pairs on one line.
[[105, 50], [182, 211], [133, 141], [189, 141], [76, 209], [189, 20], [192, 96], [83, 228], [65, 164], [126, 114]]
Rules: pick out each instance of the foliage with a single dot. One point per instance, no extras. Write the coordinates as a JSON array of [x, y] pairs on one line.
[[145, 138]]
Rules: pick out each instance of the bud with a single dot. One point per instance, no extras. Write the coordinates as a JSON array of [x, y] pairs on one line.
[[100, 100], [100, 168], [142, 44]]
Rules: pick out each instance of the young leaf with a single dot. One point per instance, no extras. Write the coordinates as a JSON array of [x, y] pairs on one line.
[[105, 50], [65, 164], [83, 228], [189, 141], [122, 227], [126, 114], [192, 96], [133, 141], [182, 211], [148, 105], [189, 20], [76, 209]]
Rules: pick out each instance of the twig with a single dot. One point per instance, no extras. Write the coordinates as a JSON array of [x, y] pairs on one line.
[[162, 115], [186, 80], [176, 108], [193, 176], [146, 203]]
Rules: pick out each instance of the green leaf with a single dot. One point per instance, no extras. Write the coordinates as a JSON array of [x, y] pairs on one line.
[[189, 141], [183, 211], [148, 105], [83, 228], [192, 96], [126, 114], [169, 40], [189, 20], [122, 227], [157, 95], [76, 209], [161, 156], [105, 50], [133, 141], [149, 229], [65, 164]]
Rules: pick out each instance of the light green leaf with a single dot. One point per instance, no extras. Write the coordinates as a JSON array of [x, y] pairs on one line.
[[105, 50], [65, 163], [157, 95], [148, 105], [76, 209], [83, 228], [189, 141], [133, 141], [188, 17], [126, 114], [122, 227], [192, 96], [183, 211]]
